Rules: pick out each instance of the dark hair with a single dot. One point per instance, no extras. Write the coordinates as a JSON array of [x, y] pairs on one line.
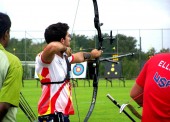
[[55, 32], [5, 23]]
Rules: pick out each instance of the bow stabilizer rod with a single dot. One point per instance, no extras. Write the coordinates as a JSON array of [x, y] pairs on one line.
[[120, 56]]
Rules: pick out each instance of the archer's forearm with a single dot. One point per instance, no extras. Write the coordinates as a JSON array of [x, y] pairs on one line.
[[139, 102], [51, 49]]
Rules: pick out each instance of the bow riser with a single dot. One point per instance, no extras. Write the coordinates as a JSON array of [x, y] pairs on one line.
[[96, 61]]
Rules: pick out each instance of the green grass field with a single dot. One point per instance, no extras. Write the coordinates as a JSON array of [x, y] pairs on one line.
[[104, 111]]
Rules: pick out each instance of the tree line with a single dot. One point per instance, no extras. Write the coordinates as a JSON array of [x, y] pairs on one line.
[[26, 50]]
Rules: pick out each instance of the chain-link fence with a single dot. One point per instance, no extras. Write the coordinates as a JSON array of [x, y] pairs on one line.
[[150, 38], [146, 39]]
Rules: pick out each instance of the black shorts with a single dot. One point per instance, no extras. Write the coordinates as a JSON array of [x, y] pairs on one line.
[[58, 117]]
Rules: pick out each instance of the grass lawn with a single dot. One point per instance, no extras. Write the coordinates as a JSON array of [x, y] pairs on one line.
[[104, 111]]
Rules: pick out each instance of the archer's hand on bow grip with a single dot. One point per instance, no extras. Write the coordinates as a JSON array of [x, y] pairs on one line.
[[95, 53], [68, 51]]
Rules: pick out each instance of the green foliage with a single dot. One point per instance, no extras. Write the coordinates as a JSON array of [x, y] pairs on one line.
[[126, 44], [26, 50], [131, 68], [82, 43], [165, 50], [151, 51]]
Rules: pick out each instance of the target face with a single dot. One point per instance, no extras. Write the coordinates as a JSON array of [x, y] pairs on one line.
[[113, 70], [78, 69]]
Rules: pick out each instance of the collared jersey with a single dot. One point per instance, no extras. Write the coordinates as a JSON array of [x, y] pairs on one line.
[[155, 79], [55, 97], [10, 81]]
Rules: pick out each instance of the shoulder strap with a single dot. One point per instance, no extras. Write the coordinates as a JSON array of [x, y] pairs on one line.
[[68, 68], [67, 76]]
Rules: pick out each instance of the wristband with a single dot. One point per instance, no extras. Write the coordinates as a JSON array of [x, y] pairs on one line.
[[87, 56]]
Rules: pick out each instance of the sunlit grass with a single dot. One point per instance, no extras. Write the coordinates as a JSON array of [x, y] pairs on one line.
[[104, 109]]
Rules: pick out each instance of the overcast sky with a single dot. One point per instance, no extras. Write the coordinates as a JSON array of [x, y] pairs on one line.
[[36, 15]]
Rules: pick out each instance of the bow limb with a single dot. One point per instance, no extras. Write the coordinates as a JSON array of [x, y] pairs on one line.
[[132, 109], [96, 61], [25, 107], [95, 89], [118, 105], [97, 24]]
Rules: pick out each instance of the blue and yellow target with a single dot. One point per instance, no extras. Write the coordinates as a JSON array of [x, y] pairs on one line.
[[78, 69]]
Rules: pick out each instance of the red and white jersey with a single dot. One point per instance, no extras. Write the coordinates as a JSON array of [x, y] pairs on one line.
[[55, 97]]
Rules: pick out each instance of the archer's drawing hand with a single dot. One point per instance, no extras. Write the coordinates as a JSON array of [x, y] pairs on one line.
[[68, 51], [96, 53]]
